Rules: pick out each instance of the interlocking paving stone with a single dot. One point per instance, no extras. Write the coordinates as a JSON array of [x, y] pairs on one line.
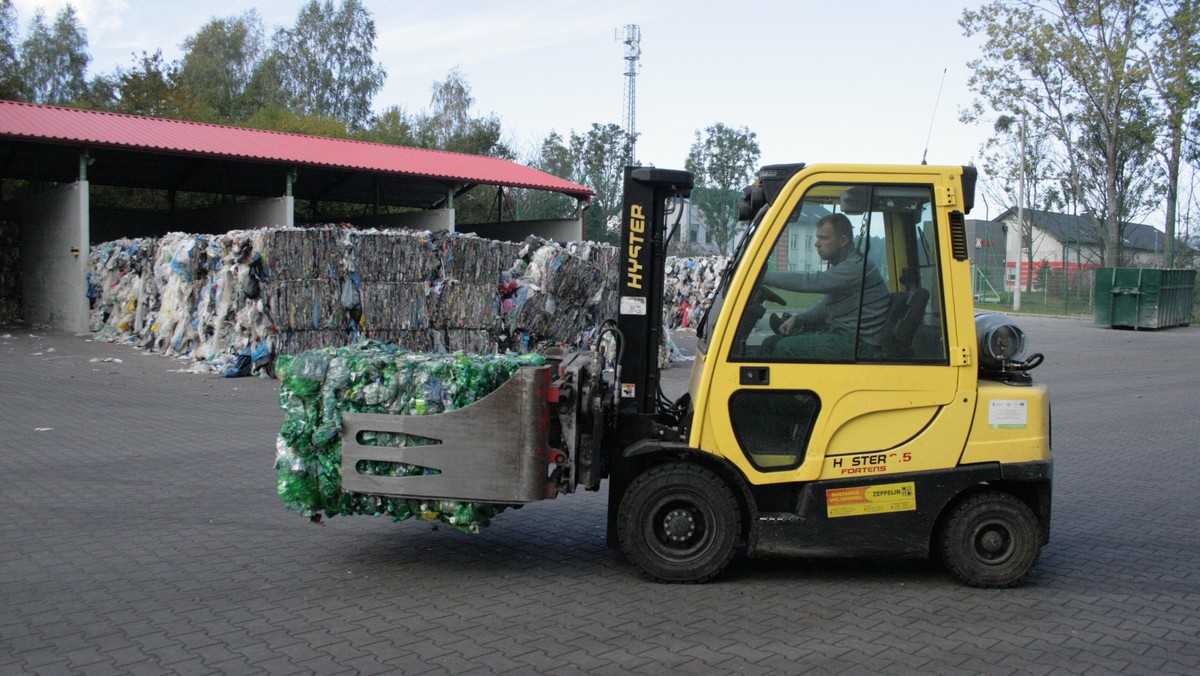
[[142, 534]]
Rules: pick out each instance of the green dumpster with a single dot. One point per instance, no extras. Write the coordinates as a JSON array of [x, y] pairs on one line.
[[1144, 298]]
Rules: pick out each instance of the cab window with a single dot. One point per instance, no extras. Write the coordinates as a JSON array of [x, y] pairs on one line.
[[852, 277]]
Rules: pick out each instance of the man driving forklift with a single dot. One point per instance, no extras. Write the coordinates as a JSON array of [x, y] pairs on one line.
[[828, 329]]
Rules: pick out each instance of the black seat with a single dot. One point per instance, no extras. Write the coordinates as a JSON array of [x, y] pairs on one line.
[[903, 319]]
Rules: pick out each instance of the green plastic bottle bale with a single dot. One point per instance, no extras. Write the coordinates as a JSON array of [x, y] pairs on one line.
[[298, 485], [304, 373], [299, 421], [318, 386]]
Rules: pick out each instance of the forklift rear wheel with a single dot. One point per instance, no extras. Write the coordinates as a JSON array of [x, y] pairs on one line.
[[678, 522], [991, 540]]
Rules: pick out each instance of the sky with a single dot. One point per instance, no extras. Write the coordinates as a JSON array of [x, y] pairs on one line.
[[879, 81]]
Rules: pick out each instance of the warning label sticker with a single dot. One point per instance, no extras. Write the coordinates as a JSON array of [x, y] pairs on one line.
[[633, 305], [879, 499], [1008, 414]]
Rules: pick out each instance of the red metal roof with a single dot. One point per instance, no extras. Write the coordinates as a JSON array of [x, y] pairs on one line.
[[94, 128]]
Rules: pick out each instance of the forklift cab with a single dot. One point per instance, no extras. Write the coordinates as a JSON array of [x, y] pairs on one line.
[[871, 380]]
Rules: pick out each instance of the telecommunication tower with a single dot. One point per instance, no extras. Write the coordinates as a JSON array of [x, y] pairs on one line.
[[633, 51]]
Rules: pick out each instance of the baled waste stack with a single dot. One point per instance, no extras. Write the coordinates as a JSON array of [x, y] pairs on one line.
[[435, 292], [318, 386], [689, 288], [259, 293], [559, 293], [120, 284], [303, 270], [191, 296]]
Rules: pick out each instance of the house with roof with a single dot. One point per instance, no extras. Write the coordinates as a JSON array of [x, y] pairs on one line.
[[1074, 243]]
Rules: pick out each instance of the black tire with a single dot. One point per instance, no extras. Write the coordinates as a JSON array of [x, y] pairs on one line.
[[991, 540], [679, 523]]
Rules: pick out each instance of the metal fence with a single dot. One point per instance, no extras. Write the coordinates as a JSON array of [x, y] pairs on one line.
[[1052, 292]]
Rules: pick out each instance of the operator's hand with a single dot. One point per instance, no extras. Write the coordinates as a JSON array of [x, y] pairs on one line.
[[791, 325]]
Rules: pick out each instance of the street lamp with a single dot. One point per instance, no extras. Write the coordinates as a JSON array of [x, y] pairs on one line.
[[1020, 220]]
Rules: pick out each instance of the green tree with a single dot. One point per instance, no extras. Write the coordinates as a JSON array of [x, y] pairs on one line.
[[449, 125], [1175, 70], [54, 59], [10, 66], [598, 160], [449, 111], [219, 62], [1004, 154], [723, 160], [1117, 142], [330, 66], [151, 87], [266, 88], [552, 157], [1122, 174], [393, 126], [594, 159], [1077, 66], [289, 122]]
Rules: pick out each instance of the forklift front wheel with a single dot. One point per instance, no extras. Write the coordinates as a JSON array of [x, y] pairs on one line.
[[991, 540], [678, 522]]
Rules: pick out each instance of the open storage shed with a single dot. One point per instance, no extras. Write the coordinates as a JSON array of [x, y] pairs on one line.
[[263, 174]]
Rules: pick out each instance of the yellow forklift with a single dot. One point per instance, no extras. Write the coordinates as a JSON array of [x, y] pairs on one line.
[[845, 399]]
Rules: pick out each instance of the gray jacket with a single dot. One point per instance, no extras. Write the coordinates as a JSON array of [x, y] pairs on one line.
[[838, 308]]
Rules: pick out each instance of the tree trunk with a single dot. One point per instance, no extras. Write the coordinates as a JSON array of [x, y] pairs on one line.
[[1172, 196], [1112, 219]]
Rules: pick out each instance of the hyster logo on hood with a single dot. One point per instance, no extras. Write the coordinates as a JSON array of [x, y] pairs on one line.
[[637, 229]]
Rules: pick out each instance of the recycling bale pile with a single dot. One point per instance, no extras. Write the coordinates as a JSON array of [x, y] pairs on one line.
[[689, 287], [559, 294], [434, 292], [318, 386], [304, 275], [119, 283], [10, 273], [196, 297], [232, 301]]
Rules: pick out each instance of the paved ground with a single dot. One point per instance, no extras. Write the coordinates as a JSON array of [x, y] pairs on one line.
[[141, 534]]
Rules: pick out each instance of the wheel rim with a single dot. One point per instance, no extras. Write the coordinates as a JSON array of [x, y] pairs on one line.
[[679, 527], [992, 542]]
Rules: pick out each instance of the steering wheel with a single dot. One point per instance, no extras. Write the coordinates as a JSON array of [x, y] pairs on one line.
[[765, 295], [755, 309]]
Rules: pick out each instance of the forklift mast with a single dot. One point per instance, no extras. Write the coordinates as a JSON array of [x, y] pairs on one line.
[[643, 256]]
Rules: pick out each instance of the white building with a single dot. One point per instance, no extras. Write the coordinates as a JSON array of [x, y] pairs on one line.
[[1073, 243]]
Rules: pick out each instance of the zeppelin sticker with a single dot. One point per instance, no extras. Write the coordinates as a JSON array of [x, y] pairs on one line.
[[1008, 414], [863, 500]]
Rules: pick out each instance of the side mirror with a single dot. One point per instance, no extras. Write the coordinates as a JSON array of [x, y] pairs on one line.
[[752, 200]]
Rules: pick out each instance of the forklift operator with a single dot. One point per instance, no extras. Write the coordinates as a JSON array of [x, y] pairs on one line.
[[828, 328]]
